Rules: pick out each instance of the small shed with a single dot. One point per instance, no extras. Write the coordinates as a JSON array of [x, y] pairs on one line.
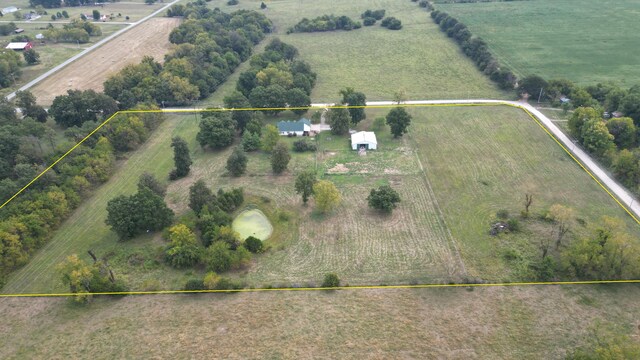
[[617, 114], [18, 30], [364, 140], [301, 127], [18, 46]]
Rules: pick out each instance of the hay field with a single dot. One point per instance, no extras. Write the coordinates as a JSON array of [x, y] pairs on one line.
[[89, 72]]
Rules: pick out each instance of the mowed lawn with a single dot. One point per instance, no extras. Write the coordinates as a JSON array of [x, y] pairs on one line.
[[484, 159], [536, 322], [585, 41], [418, 59]]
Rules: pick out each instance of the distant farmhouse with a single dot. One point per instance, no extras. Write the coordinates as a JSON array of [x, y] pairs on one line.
[[364, 140], [301, 127], [19, 46]]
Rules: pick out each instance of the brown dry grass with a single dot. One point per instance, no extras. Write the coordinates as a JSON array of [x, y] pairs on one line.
[[491, 323], [89, 72]]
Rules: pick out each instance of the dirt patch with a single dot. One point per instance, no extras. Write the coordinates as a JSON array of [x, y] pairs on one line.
[[148, 39], [392, 171], [339, 168]]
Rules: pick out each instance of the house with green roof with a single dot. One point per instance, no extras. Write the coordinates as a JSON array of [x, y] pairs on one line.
[[301, 127]]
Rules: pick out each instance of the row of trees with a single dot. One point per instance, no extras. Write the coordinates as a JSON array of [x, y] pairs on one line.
[[76, 31], [325, 23], [50, 4], [475, 48], [210, 45]]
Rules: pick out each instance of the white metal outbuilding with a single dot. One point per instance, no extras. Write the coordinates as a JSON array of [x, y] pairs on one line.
[[364, 139]]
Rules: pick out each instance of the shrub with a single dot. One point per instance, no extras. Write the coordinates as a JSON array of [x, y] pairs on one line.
[[502, 214], [325, 23], [384, 199], [194, 284], [211, 280], [232, 2], [303, 145], [391, 23], [253, 244], [375, 14], [331, 280], [514, 224], [368, 21]]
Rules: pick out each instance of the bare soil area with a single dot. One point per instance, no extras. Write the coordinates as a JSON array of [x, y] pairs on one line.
[[90, 72]]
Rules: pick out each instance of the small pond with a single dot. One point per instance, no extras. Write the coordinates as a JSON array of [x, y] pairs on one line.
[[252, 223]]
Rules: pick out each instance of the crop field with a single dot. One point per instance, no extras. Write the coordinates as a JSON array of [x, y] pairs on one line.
[[148, 39], [560, 38], [418, 59], [486, 323], [51, 54]]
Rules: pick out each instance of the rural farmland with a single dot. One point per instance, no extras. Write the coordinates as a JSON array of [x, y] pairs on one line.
[[366, 179], [148, 39], [559, 39]]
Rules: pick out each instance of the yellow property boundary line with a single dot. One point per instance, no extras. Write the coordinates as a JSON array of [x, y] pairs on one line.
[[418, 286]]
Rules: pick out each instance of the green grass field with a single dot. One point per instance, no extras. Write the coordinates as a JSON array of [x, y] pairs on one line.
[[379, 62], [481, 160], [494, 323], [581, 41]]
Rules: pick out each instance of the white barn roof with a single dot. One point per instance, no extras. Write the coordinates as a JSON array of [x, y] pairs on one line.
[[17, 45], [364, 138]]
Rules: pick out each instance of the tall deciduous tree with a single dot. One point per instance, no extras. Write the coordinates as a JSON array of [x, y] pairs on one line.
[[183, 250], [280, 158], [304, 184], [132, 215], [238, 101], [384, 199], [351, 97], [596, 137], [340, 120], [398, 120], [199, 196], [181, 158], [237, 162], [326, 195], [270, 138], [217, 130], [623, 131]]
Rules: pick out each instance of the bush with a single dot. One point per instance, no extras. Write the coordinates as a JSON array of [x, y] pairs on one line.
[[375, 14], [368, 21], [331, 280], [303, 145], [391, 23], [502, 214], [232, 2], [514, 224], [194, 284], [253, 244], [325, 23], [384, 199]]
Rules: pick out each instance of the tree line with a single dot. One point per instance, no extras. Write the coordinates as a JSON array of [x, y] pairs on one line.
[[210, 45], [476, 49], [49, 4], [325, 23]]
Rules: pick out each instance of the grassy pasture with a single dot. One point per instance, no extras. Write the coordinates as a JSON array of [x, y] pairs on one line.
[[484, 159], [418, 58], [487, 323], [588, 41]]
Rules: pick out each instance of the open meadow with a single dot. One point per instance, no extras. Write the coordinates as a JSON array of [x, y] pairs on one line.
[[418, 59], [580, 41], [535, 322], [148, 39]]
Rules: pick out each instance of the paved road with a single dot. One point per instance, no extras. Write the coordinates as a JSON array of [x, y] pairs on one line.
[[622, 194], [88, 50]]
